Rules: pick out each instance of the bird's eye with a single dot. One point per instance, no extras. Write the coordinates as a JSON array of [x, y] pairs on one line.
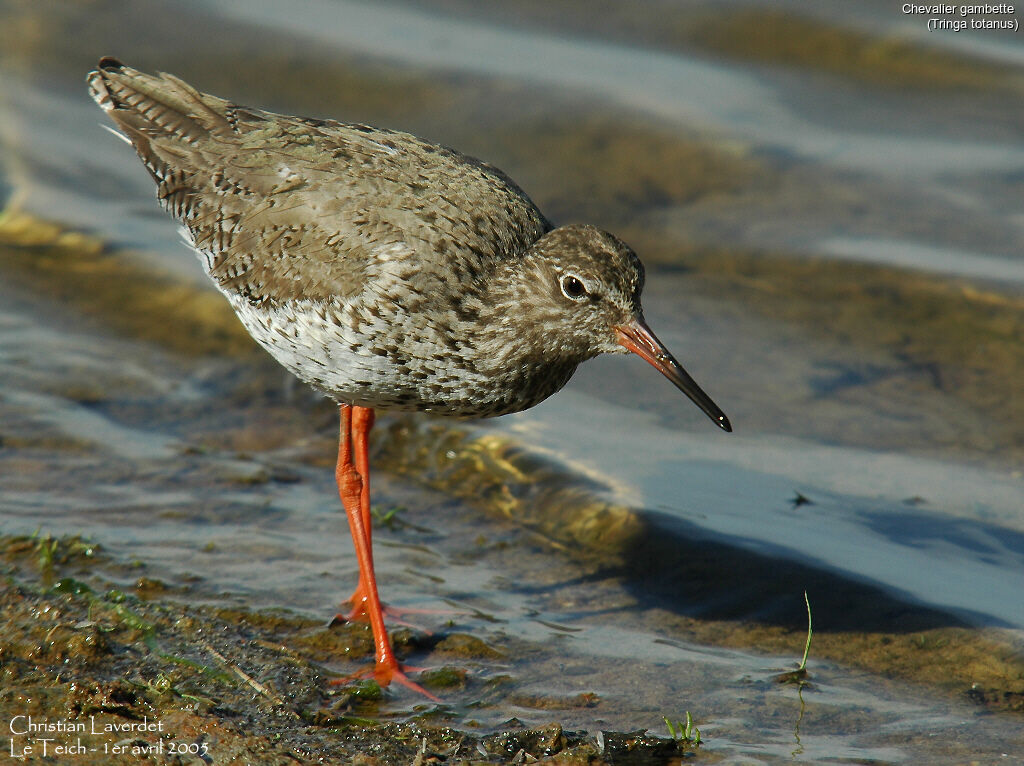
[[573, 287]]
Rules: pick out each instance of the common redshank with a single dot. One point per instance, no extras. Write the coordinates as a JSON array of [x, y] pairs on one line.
[[385, 271]]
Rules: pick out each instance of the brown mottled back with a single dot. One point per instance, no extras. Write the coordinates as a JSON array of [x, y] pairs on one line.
[[285, 207]]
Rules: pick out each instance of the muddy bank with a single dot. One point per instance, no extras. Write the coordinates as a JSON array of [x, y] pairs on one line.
[[141, 676]]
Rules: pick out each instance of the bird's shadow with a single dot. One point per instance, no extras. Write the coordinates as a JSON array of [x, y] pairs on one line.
[[680, 566]]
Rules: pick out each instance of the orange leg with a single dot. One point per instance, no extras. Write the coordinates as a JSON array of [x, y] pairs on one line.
[[353, 487], [362, 421]]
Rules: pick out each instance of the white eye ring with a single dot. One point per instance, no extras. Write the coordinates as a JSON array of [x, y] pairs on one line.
[[573, 287]]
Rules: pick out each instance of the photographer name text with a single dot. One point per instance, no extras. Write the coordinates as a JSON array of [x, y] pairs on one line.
[[32, 738]]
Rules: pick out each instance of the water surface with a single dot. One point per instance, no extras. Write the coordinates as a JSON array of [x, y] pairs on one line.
[[828, 203]]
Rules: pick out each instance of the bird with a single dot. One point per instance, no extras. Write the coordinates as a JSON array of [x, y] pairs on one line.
[[385, 271]]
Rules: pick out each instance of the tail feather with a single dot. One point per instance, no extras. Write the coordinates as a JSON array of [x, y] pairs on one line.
[[155, 105], [167, 121]]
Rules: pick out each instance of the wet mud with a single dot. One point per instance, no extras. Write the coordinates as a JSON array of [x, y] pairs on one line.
[[152, 679]]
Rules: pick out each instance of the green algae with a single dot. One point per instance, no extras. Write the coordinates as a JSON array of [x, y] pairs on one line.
[[467, 646], [70, 556], [498, 475], [445, 677]]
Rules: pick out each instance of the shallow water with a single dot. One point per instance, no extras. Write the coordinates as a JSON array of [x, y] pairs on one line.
[[213, 470]]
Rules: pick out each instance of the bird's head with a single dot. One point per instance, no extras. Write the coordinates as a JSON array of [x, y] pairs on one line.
[[584, 286]]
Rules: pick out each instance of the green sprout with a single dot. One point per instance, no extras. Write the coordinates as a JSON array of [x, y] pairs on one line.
[[684, 733], [810, 632], [799, 676], [387, 518]]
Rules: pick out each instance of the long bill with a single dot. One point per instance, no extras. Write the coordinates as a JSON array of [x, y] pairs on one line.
[[637, 337]]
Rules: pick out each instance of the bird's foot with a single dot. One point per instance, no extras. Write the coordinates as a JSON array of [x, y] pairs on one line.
[[388, 670]]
